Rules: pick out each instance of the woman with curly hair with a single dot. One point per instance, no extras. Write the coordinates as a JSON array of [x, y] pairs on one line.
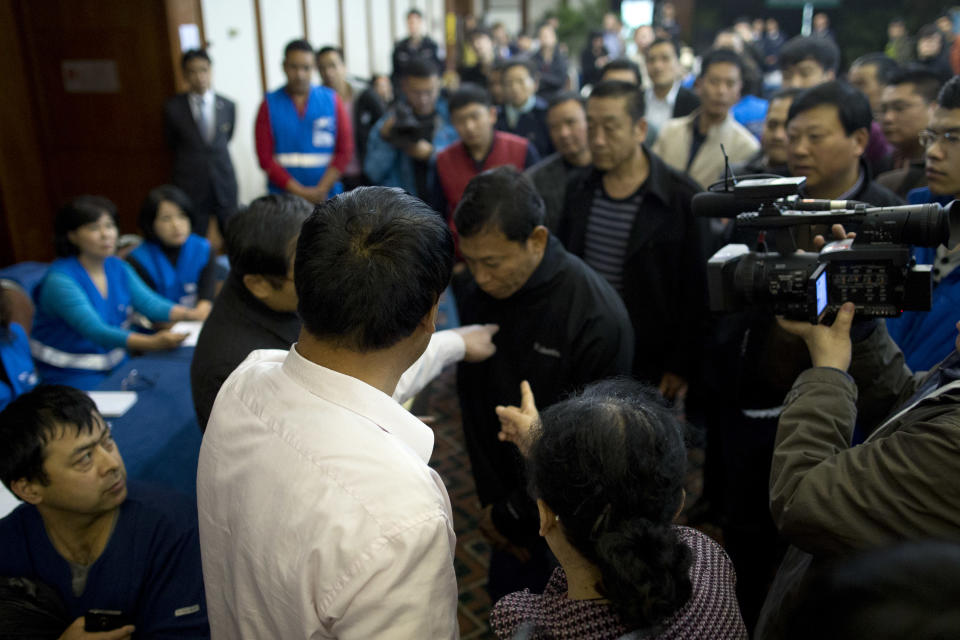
[[607, 468]]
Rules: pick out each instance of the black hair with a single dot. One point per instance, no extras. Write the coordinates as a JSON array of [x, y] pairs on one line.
[[853, 108], [564, 96], [885, 65], [297, 45], [717, 56], [926, 83], [481, 31], [73, 215], [949, 97], [673, 44], [35, 418], [501, 198], [907, 591], [370, 264], [260, 238], [610, 462], [330, 49], [788, 92], [194, 54], [623, 64], [636, 104], [823, 51], [420, 68], [467, 94], [928, 30], [151, 204], [415, 12], [520, 61]]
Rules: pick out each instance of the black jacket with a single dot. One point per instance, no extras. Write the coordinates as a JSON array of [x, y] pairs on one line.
[[204, 171], [531, 125], [564, 328], [237, 325], [686, 103], [664, 273]]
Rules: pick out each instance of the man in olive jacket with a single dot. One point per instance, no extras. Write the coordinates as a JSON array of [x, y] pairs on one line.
[[903, 483]]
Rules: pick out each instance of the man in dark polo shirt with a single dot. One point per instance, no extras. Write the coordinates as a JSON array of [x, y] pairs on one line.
[[629, 218], [257, 307], [561, 327]]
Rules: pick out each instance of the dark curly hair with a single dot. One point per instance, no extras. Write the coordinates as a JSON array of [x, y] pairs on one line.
[[610, 462]]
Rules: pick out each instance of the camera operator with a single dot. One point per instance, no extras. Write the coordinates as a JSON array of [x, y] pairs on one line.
[[830, 499], [408, 135]]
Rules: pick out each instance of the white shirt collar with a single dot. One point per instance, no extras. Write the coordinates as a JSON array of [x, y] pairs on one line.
[[362, 399]]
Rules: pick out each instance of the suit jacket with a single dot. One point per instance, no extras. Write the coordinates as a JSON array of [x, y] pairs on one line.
[[204, 171]]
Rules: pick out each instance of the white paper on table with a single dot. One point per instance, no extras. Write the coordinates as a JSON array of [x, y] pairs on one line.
[[113, 404], [191, 328]]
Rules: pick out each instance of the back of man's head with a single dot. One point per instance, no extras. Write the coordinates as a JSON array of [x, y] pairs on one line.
[[822, 51], [34, 419], [853, 108], [924, 82], [370, 264], [636, 105], [501, 198], [260, 239]]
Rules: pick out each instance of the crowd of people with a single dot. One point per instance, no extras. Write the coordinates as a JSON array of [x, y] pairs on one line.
[[549, 212]]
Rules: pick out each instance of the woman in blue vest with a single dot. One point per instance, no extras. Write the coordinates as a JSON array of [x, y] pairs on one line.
[[171, 260], [17, 373], [81, 328]]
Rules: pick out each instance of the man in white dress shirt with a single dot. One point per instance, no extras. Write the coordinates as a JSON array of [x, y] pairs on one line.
[[319, 517]]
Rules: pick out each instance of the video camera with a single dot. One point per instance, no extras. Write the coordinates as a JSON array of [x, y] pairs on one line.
[[407, 128], [876, 271]]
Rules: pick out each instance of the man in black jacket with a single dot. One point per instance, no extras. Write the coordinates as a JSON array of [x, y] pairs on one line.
[[629, 218], [561, 327], [198, 125]]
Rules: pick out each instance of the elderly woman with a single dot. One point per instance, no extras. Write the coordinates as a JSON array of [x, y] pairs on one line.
[[81, 329], [607, 469]]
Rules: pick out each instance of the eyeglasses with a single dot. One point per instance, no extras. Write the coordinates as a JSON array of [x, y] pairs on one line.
[[950, 138]]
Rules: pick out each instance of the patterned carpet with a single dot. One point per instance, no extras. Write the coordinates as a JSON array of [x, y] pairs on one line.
[[439, 401]]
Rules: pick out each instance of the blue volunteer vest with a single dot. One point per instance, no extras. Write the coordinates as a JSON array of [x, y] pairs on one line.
[[62, 354], [17, 363], [304, 145], [175, 283]]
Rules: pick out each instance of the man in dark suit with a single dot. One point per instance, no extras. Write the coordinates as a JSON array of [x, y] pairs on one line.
[[665, 97], [198, 125]]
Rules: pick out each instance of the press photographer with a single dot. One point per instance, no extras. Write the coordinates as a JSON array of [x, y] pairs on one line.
[[832, 499], [406, 137]]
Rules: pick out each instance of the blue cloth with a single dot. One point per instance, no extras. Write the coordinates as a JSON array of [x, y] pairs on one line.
[[388, 166], [751, 112], [74, 320], [158, 436], [927, 337], [27, 274], [304, 145], [149, 570], [175, 283], [17, 363]]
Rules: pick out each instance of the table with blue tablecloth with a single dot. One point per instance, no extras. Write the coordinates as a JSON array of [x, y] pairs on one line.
[[158, 436]]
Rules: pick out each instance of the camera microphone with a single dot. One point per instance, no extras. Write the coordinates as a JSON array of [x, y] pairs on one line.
[[721, 205]]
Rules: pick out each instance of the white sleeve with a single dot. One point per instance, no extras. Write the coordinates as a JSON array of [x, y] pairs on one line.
[[446, 347]]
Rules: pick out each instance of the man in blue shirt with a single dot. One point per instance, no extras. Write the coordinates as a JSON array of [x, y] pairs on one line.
[[925, 337], [100, 545]]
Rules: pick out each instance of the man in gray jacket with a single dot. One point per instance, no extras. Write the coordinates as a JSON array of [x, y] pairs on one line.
[[830, 499]]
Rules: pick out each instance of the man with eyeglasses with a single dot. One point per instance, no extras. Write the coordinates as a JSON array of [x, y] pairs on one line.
[[905, 106], [926, 336]]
